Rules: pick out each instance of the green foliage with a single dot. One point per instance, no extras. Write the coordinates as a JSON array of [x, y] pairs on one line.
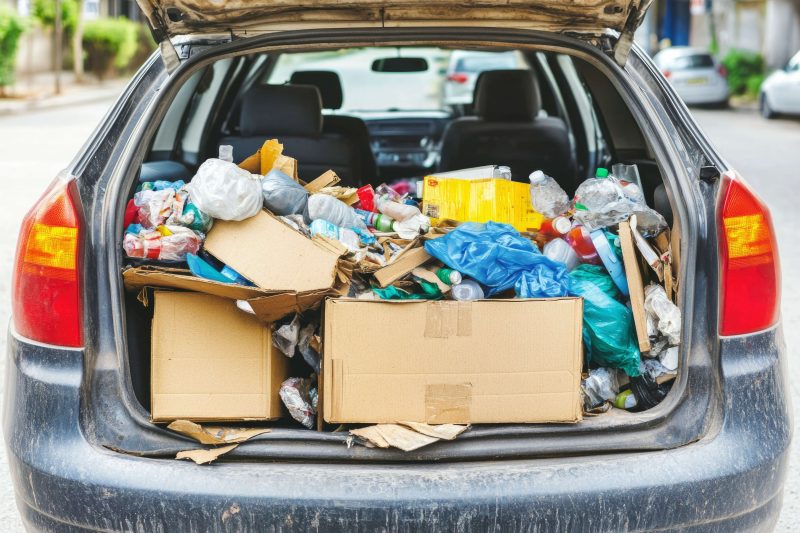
[[745, 71], [110, 44], [45, 12], [12, 27]]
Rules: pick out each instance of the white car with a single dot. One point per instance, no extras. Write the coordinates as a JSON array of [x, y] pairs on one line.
[[780, 92], [464, 68], [697, 77]]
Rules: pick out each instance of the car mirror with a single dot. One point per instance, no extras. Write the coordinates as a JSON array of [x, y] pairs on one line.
[[400, 64]]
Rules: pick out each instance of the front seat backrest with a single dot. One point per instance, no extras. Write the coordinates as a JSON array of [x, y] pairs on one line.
[[330, 89], [507, 131], [293, 115]]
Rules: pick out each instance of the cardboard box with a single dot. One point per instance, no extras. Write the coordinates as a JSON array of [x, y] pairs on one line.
[[211, 361], [269, 306], [277, 257], [488, 361], [480, 200]]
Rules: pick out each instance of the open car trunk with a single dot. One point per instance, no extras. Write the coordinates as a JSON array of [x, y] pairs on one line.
[[607, 132]]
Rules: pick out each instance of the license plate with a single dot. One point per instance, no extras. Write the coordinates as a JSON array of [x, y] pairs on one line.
[[697, 81]]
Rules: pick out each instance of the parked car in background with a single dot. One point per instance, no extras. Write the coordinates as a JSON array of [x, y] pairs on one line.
[[780, 92], [464, 68], [697, 77]]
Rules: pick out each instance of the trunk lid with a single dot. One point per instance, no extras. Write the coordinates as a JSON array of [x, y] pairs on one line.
[[240, 18]]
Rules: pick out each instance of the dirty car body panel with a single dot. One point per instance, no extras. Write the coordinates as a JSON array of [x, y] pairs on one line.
[[84, 456]]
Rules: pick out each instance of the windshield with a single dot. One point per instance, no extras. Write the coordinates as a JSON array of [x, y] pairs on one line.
[[367, 91]]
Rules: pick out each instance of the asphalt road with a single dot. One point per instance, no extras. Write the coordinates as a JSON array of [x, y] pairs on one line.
[[35, 146]]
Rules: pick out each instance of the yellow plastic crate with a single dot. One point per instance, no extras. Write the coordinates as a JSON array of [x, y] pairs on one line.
[[480, 200]]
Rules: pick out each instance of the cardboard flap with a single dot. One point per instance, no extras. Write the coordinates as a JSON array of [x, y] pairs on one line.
[[635, 285], [172, 278], [401, 266], [273, 255]]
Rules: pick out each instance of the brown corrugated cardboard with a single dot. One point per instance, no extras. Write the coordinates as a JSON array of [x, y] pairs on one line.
[[635, 285], [269, 306], [275, 256], [488, 361], [401, 266], [211, 361]]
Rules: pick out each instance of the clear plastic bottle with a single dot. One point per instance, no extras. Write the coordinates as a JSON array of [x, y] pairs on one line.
[[601, 385], [596, 194], [467, 290], [580, 240], [347, 237], [547, 196], [375, 220], [559, 250], [322, 206], [398, 211]]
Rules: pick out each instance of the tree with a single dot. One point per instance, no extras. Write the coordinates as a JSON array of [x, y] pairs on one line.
[[77, 43]]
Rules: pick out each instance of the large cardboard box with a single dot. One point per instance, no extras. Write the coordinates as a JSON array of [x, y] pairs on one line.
[[212, 361], [488, 361]]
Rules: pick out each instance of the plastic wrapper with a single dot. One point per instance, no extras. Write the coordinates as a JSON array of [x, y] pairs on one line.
[[154, 206], [665, 314], [225, 191], [297, 396], [322, 206], [601, 385], [497, 256], [412, 226], [297, 222], [282, 195], [286, 336], [309, 354], [166, 243], [547, 196], [608, 330], [669, 358]]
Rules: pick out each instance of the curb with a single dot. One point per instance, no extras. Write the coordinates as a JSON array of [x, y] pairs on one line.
[[55, 102]]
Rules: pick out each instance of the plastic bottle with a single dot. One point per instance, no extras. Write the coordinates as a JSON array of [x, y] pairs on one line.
[[325, 207], [375, 220], [449, 276], [547, 196], [164, 244], [467, 290], [559, 250], [398, 211], [580, 240], [346, 236], [553, 228], [601, 385], [597, 193], [625, 400], [226, 152]]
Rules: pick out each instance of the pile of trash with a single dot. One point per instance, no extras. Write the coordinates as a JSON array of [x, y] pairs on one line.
[[605, 246]]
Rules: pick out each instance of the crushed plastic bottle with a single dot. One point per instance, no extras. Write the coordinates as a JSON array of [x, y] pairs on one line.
[[665, 314], [467, 290], [282, 195], [601, 385], [559, 250], [396, 210], [547, 196], [347, 237], [325, 207], [595, 194]]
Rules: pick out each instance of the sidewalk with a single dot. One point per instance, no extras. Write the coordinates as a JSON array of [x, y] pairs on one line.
[[36, 92]]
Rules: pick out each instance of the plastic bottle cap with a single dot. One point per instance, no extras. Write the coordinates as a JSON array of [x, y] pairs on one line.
[[601, 172], [562, 225], [536, 177]]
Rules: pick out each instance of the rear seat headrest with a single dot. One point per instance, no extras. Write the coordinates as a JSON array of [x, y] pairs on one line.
[[507, 96], [328, 83], [274, 110]]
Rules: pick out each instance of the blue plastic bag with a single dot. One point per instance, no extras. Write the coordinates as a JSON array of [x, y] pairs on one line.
[[608, 329], [497, 256]]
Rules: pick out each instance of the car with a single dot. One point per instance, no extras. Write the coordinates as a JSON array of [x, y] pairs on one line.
[[780, 92], [697, 77], [463, 70], [83, 452]]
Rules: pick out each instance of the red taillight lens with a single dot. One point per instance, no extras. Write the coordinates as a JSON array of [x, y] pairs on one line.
[[47, 283], [750, 277], [722, 71], [666, 73], [458, 77]]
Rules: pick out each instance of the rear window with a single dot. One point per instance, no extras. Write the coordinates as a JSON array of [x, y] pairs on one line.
[[692, 62]]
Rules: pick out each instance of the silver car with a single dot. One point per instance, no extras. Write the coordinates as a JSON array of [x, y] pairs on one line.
[[695, 74], [464, 68], [780, 92]]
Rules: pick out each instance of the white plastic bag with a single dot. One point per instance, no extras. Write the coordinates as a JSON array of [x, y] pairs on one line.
[[664, 313], [225, 191]]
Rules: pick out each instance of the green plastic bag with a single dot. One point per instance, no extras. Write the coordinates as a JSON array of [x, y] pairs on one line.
[[608, 330], [429, 292]]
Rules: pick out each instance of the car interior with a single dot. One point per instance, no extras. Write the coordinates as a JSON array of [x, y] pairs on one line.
[[377, 116]]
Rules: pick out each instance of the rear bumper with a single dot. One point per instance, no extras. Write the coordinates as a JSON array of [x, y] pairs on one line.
[[730, 480]]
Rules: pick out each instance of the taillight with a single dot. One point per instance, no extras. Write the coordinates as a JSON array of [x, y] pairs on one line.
[[458, 77], [750, 279], [47, 282], [722, 71], [666, 73]]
